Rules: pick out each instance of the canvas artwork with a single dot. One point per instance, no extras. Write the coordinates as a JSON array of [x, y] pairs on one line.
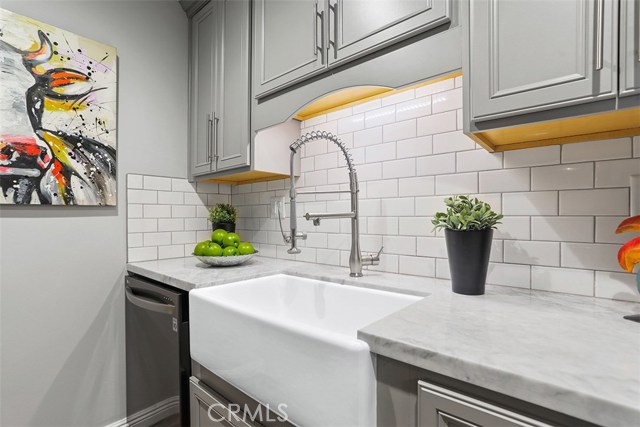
[[57, 116]]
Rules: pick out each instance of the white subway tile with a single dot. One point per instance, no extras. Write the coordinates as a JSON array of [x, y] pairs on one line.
[[514, 228], [142, 225], [562, 177], [462, 183], [135, 240], [513, 275], [399, 130], [134, 181], [458, 81], [134, 211], [397, 97], [593, 256], [451, 142], [436, 165], [595, 202], [351, 123], [192, 224], [196, 199], [388, 263], [224, 188], [366, 106], [331, 127], [606, 230], [446, 101], [428, 206], [398, 207], [399, 168], [459, 119], [505, 180], [183, 237], [414, 147], [620, 286], [326, 161], [419, 186], [339, 114], [562, 228], [382, 225], [415, 226], [366, 137], [616, 173], [157, 239], [207, 187], [437, 123], [315, 240], [313, 148], [307, 164], [307, 255], [170, 198], [417, 266], [379, 117], [157, 183], [497, 251], [315, 178], [533, 203], [381, 189], [381, 152], [441, 86], [357, 154], [260, 211], [268, 251], [413, 108], [173, 224], [432, 247], [178, 211], [538, 156], [619, 148], [494, 200], [182, 185], [142, 196], [478, 160], [213, 199], [399, 245], [565, 280], [314, 121], [532, 253], [157, 211], [173, 251], [368, 172], [143, 254]]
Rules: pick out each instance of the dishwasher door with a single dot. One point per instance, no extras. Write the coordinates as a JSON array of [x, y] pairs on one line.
[[157, 348]]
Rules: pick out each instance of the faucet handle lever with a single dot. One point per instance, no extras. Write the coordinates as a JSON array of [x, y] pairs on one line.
[[372, 259]]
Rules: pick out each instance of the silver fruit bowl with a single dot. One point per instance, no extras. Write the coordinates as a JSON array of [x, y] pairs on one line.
[[225, 261]]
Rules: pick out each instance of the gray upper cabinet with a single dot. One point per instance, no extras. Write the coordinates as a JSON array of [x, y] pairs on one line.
[[220, 87], [629, 47], [358, 27], [288, 42], [532, 55]]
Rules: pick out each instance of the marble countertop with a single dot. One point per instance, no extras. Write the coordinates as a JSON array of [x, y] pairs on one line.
[[572, 354]]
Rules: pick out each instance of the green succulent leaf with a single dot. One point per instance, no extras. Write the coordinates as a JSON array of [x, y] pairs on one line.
[[222, 212], [464, 213]]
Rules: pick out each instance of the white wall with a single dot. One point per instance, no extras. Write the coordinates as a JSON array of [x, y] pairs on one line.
[[561, 203], [62, 268]]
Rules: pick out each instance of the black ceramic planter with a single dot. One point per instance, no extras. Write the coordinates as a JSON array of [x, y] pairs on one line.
[[469, 253], [229, 227]]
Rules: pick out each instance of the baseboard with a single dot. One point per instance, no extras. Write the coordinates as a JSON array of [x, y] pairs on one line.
[[150, 415]]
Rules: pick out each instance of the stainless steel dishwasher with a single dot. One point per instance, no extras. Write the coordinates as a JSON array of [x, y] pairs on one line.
[[157, 348]]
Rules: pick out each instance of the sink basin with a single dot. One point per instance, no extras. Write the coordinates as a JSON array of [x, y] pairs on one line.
[[285, 340]]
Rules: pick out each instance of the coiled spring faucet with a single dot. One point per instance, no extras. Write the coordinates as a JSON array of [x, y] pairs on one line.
[[356, 259]]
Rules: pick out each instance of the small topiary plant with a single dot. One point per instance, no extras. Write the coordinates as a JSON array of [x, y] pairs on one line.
[[222, 213], [466, 214]]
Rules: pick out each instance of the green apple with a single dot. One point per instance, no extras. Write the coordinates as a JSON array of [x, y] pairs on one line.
[[245, 248], [213, 249], [218, 235], [230, 251], [231, 239], [200, 247]]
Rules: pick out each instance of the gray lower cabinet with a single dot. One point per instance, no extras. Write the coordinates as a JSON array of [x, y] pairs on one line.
[[532, 55], [629, 47], [441, 407], [208, 409], [220, 87], [357, 27]]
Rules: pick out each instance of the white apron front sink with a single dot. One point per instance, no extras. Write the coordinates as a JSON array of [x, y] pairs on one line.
[[291, 341]]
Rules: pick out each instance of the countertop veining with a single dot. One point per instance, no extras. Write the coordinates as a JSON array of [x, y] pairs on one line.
[[572, 354]]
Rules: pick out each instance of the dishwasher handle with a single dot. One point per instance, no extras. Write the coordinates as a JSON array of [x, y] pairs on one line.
[[149, 304]]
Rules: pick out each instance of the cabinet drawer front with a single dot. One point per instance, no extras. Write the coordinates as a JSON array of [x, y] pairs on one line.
[[210, 410], [360, 27], [288, 42], [530, 55], [441, 407], [629, 47]]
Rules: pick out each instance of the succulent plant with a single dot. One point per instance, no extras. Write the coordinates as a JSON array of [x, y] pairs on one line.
[[222, 213], [466, 214]]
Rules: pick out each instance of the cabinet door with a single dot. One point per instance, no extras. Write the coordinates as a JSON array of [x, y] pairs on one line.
[[207, 409], [201, 87], [441, 407], [531, 55], [288, 42], [359, 27], [629, 47], [233, 94]]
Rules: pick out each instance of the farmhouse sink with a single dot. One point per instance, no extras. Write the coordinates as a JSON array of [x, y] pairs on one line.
[[285, 340]]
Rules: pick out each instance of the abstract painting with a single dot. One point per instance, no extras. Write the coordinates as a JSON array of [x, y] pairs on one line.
[[57, 116]]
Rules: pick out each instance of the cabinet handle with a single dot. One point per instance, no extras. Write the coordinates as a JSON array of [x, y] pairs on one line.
[[317, 15], [334, 42], [209, 127], [599, 34], [215, 137]]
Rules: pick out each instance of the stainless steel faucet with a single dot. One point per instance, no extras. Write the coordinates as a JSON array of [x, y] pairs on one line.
[[356, 259]]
